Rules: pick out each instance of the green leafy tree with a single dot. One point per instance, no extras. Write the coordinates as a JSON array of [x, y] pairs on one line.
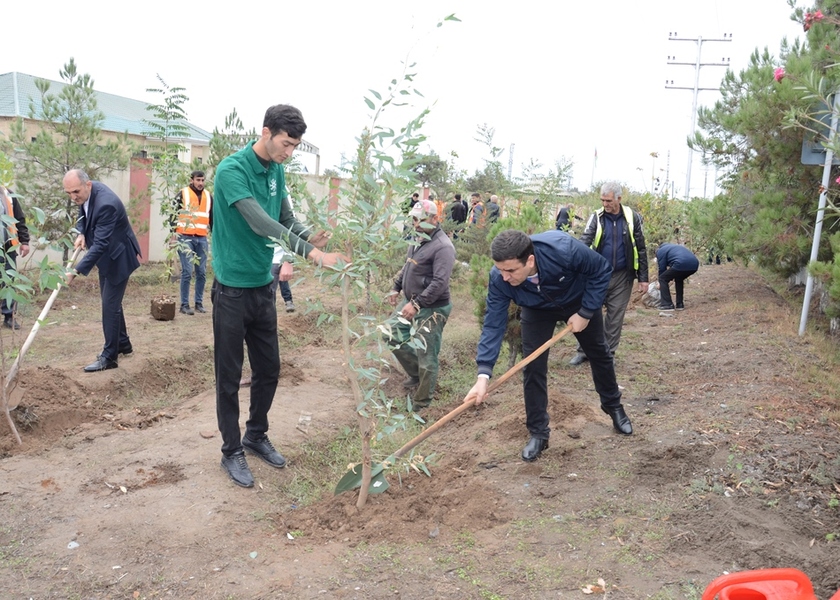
[[68, 135], [227, 140], [818, 86], [369, 228], [432, 171], [492, 177], [766, 213], [166, 128]]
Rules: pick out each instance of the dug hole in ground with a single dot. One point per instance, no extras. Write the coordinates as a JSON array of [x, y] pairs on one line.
[[117, 492]]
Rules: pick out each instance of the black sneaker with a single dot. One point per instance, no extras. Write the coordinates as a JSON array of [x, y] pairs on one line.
[[237, 468], [200, 308], [680, 306], [265, 451], [186, 310], [666, 307]]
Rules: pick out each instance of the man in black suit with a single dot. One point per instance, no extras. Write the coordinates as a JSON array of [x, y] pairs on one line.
[[112, 247]]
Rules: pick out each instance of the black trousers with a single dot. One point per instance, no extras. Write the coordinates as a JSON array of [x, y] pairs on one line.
[[249, 315], [678, 278], [113, 319], [537, 328]]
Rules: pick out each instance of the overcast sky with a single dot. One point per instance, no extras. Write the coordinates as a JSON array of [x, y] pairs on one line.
[[555, 79]]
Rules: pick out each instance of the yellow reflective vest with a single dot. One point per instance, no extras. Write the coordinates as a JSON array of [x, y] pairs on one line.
[[599, 231]]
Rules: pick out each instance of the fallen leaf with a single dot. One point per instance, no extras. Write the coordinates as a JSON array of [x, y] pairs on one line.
[[811, 544], [207, 434], [123, 489]]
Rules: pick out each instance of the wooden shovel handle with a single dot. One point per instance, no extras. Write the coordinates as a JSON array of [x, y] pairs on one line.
[[470, 401]]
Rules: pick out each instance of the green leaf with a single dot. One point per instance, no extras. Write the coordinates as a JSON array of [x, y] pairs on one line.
[[370, 104]]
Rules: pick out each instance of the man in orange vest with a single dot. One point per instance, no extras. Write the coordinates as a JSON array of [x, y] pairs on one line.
[[15, 241], [193, 223]]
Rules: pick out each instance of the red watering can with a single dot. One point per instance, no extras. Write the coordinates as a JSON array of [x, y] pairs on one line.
[[763, 584]]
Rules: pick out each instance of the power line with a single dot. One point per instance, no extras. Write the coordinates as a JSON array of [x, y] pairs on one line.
[[669, 84]]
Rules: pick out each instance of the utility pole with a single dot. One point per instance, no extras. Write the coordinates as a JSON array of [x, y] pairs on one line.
[[510, 162], [669, 84]]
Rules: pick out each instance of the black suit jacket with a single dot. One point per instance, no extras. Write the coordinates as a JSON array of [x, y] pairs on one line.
[[111, 243]]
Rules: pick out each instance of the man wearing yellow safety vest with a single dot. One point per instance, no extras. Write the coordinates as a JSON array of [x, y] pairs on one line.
[[15, 241], [615, 232], [193, 223]]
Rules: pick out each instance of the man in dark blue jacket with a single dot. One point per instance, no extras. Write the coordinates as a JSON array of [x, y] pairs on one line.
[[112, 247], [553, 277], [676, 263]]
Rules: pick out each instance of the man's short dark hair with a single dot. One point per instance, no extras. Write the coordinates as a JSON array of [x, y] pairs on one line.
[[282, 118], [415, 195], [511, 244], [458, 197], [195, 174], [475, 195]]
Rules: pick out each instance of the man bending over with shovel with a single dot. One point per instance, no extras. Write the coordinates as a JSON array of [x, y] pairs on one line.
[[553, 277]]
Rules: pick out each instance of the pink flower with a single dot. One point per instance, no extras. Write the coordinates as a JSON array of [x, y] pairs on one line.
[[779, 74], [818, 16], [837, 180]]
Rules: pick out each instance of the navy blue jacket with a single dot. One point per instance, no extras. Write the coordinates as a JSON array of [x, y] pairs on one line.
[[571, 276], [676, 257], [111, 243]]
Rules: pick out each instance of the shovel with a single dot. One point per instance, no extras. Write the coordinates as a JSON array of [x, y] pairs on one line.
[[353, 478], [13, 395]]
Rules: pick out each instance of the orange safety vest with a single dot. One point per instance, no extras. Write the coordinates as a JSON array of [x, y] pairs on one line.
[[441, 211], [10, 210], [194, 216]]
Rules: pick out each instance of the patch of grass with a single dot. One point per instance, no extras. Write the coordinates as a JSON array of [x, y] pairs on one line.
[[465, 540], [320, 465]]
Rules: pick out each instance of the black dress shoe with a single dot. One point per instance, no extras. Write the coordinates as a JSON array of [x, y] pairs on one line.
[[100, 364], [620, 420], [265, 450], [237, 468], [126, 349], [533, 449]]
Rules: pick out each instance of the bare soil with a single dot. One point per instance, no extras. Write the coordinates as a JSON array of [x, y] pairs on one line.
[[117, 492]]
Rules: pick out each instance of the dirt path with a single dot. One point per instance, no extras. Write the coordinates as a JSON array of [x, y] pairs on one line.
[[734, 465]]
